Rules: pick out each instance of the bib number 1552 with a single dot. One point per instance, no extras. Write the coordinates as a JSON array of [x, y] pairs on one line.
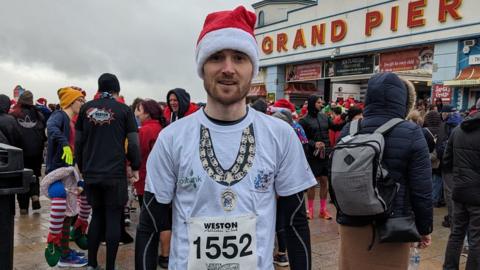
[[229, 247]]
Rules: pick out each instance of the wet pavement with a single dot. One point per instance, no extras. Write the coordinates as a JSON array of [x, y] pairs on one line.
[[31, 232]]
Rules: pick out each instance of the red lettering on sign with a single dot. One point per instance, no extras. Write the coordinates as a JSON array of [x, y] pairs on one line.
[[373, 19], [318, 35], [282, 40], [394, 19], [267, 45], [339, 30], [299, 39], [450, 7], [415, 13]]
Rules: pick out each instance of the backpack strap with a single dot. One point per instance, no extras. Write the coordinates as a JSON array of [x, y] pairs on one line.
[[388, 125], [354, 127]]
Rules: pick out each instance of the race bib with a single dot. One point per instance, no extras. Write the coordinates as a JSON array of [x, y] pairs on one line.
[[222, 243]]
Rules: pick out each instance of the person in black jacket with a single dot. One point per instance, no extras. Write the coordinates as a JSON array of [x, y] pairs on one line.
[[407, 160], [316, 125], [8, 124], [102, 130], [32, 129], [462, 157], [432, 123], [451, 118]]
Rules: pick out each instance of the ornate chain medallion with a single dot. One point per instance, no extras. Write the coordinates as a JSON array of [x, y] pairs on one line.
[[234, 174]]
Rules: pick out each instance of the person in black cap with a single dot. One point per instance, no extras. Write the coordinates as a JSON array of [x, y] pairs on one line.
[[102, 129]]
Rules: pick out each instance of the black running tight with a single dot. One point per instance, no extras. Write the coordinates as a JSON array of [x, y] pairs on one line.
[[105, 222]]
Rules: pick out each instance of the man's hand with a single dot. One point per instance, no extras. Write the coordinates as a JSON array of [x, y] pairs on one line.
[[134, 177], [425, 241], [67, 155]]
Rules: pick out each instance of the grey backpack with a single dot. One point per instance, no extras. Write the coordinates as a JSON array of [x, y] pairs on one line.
[[360, 185]]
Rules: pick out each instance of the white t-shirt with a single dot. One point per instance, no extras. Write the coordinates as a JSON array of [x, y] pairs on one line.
[[215, 173]]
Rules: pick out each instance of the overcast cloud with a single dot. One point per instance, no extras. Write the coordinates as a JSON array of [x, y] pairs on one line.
[[148, 44]]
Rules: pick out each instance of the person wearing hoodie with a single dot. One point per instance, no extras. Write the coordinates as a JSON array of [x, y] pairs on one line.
[[8, 125], [179, 105], [32, 130], [451, 118], [260, 105], [317, 125], [406, 157], [461, 157]]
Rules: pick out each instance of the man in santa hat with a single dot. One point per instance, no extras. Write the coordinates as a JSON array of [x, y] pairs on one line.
[[221, 168]]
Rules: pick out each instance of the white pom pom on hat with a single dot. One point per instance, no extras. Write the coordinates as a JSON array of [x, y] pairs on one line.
[[233, 30]]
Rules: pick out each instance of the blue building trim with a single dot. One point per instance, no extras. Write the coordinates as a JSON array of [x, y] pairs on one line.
[[322, 18]]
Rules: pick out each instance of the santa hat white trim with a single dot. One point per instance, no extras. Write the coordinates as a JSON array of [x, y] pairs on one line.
[[227, 38]]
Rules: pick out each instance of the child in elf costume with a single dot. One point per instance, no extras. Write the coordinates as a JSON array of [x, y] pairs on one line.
[[65, 190], [61, 183]]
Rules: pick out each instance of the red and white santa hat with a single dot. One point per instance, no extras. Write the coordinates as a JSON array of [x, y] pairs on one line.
[[232, 29]]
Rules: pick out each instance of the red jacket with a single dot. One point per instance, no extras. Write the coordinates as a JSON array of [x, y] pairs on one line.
[[334, 135], [147, 135], [167, 113]]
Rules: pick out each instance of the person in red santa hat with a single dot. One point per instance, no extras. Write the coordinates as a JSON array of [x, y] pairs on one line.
[[221, 168]]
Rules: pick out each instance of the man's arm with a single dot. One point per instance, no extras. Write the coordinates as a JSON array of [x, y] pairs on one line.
[[159, 192], [78, 150], [79, 140], [292, 178], [297, 231], [448, 154], [133, 151], [154, 218]]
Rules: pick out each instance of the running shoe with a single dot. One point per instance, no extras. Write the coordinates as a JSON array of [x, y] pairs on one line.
[[163, 262], [325, 215], [281, 260], [310, 213], [77, 253], [71, 260]]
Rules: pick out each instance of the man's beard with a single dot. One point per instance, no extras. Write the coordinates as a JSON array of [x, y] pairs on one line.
[[238, 96]]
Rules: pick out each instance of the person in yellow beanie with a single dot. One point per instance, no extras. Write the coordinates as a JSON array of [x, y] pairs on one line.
[[61, 138]]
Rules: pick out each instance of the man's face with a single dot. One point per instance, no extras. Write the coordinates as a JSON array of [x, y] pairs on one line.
[[227, 75], [319, 104], [173, 101], [77, 104]]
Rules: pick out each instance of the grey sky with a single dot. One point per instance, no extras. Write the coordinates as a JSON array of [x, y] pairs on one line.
[[148, 44]]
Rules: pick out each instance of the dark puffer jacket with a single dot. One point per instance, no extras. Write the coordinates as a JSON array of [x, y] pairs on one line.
[[406, 153], [316, 125], [462, 157], [8, 124]]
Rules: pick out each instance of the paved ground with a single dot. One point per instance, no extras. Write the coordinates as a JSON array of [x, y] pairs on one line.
[[31, 232]]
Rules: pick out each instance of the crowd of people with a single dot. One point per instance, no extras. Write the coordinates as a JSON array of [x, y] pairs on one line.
[[210, 178]]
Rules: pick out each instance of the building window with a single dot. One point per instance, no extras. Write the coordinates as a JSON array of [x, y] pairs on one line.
[[261, 19]]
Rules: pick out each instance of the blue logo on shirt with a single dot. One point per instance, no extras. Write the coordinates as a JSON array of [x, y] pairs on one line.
[[263, 180]]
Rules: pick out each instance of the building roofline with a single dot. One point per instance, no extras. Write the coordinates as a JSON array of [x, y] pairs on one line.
[[273, 2]]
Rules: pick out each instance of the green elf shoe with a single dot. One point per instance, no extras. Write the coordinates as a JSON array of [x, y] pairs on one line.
[[52, 254], [80, 239]]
